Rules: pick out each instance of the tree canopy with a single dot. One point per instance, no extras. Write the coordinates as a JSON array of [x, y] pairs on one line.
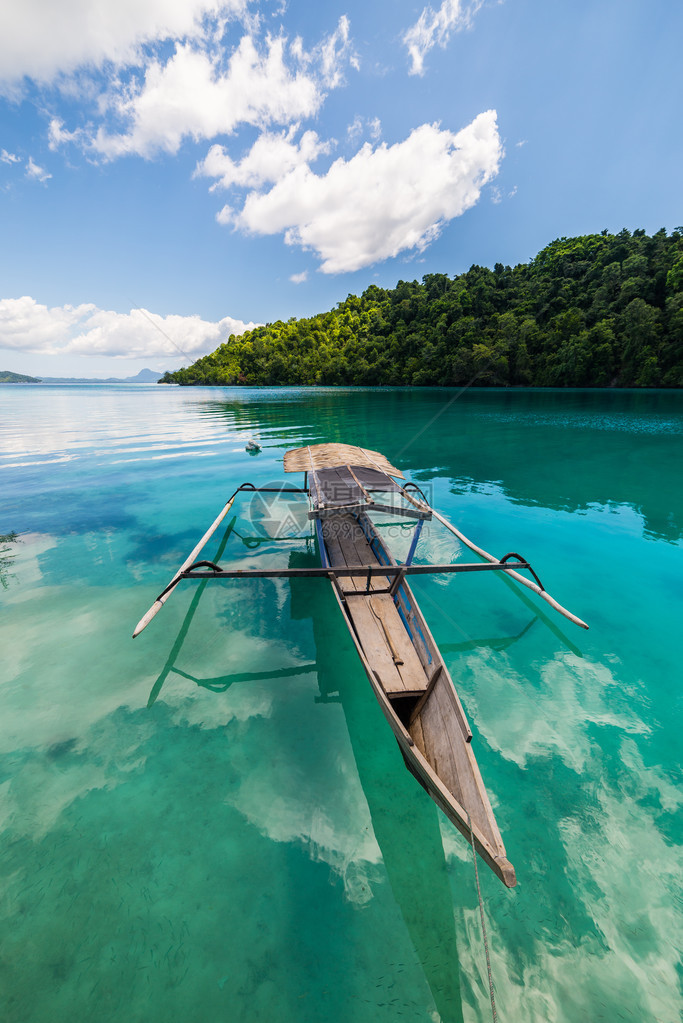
[[599, 310]]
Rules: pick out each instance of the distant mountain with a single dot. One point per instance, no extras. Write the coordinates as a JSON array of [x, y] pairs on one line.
[[18, 378], [145, 376]]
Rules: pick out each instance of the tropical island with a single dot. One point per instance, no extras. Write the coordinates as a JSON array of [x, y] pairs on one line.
[[599, 310], [7, 377]]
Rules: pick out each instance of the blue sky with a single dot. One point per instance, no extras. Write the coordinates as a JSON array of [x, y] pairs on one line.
[[172, 171]]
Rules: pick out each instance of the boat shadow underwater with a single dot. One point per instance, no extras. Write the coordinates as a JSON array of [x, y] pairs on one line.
[[404, 819]]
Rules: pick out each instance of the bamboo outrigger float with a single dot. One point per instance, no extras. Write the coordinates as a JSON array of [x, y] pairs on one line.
[[345, 484]]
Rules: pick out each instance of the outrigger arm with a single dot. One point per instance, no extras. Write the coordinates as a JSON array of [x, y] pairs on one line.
[[191, 569], [163, 597], [538, 589]]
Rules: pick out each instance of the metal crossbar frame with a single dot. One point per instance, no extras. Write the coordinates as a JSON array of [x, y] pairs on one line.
[[322, 512], [208, 570], [215, 572], [395, 573]]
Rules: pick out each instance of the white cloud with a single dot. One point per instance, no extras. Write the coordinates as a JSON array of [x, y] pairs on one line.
[[299, 278], [433, 28], [569, 711], [149, 96], [355, 129], [6, 157], [383, 200], [497, 195], [573, 694], [28, 326], [58, 135], [272, 156], [375, 128], [332, 53], [226, 215], [40, 39], [193, 95], [33, 170], [359, 126]]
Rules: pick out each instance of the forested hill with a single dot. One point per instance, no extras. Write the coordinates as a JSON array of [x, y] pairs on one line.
[[7, 377], [596, 311]]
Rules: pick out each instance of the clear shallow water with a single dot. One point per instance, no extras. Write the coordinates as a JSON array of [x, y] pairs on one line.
[[214, 822]]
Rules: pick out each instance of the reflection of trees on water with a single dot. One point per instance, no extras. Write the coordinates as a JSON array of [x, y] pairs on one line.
[[565, 450], [318, 413], [569, 451], [7, 553]]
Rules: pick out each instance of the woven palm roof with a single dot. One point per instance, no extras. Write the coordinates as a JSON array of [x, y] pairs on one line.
[[329, 456]]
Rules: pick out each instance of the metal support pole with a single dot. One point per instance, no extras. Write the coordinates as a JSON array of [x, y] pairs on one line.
[[321, 544], [397, 580], [413, 545]]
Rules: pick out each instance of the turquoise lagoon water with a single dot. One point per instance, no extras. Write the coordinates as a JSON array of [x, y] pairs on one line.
[[213, 822]]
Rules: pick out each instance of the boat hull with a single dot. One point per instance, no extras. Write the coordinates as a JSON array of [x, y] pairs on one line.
[[430, 726]]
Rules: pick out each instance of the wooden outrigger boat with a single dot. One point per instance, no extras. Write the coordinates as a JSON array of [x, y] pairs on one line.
[[345, 485]]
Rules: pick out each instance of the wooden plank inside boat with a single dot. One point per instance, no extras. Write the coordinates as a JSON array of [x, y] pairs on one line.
[[375, 618], [341, 534]]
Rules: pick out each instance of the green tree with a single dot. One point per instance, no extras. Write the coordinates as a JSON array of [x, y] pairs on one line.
[[596, 310]]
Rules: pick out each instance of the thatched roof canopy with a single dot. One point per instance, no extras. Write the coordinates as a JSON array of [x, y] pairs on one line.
[[330, 456]]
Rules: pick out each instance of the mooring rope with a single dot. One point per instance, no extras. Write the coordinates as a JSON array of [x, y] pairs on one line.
[[483, 923]]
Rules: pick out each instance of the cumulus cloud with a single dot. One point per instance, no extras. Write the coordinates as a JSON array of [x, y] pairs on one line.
[[434, 28], [193, 95], [380, 202], [189, 96], [40, 39], [272, 155], [299, 278], [158, 72], [6, 157], [28, 326]]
